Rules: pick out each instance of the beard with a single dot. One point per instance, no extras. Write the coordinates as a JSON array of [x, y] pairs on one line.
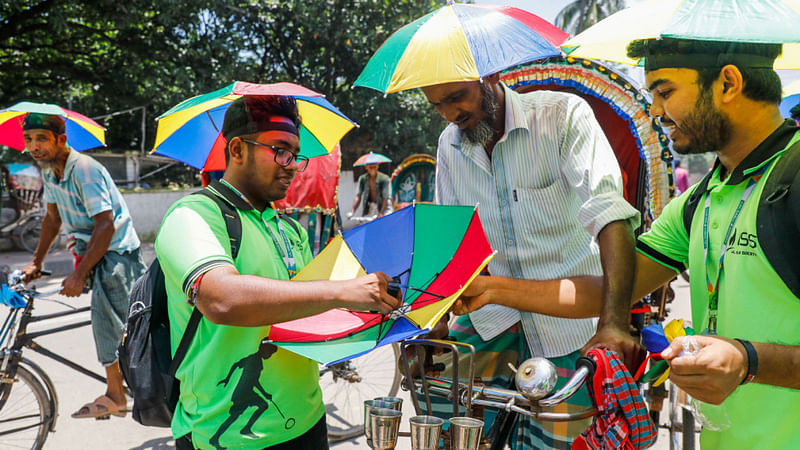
[[483, 131], [707, 128]]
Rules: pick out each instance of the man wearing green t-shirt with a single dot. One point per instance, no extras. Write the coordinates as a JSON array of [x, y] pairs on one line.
[[236, 391], [721, 97]]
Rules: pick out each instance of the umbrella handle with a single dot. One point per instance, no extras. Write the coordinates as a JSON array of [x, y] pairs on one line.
[[393, 288]]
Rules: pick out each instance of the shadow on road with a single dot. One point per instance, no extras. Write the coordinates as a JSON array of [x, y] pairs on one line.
[[156, 444]]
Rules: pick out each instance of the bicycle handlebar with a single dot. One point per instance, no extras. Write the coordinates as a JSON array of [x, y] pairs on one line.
[[529, 399]]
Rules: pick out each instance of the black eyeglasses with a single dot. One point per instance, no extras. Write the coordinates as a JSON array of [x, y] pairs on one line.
[[283, 157]]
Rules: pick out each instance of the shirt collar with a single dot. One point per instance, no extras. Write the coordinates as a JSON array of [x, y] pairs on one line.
[[769, 148]]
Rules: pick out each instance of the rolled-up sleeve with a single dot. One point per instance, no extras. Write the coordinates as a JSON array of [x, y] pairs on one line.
[[591, 169]]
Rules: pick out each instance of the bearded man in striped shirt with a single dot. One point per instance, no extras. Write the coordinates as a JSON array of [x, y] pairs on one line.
[[550, 198]]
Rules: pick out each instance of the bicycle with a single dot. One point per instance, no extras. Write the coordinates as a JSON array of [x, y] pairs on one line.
[[28, 400]]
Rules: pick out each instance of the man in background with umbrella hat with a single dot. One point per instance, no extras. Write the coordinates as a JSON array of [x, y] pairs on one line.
[[550, 195], [240, 297], [81, 195], [374, 190]]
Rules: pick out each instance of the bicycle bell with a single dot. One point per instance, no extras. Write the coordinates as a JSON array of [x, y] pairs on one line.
[[536, 378]]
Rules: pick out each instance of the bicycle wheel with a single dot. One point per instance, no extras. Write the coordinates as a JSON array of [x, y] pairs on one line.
[[346, 385], [26, 414], [26, 236]]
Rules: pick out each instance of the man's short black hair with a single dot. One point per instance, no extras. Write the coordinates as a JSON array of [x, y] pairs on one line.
[[251, 114], [760, 84]]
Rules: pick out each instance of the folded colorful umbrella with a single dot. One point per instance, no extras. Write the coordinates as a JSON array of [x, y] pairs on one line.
[[655, 339], [432, 268], [759, 21], [459, 43], [191, 130], [371, 158], [623, 422], [82, 132], [791, 98]]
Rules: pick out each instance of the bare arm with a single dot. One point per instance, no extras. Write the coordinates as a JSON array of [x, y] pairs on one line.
[[51, 224], [97, 247], [384, 204], [718, 368], [229, 298], [616, 253], [572, 297]]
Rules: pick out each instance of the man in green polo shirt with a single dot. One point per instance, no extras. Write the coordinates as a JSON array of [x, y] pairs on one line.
[[721, 97], [235, 390]]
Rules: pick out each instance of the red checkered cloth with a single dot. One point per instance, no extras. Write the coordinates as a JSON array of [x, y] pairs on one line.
[[623, 422]]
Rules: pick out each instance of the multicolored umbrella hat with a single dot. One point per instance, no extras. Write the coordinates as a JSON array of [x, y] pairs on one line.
[[371, 158], [459, 43], [83, 133], [755, 21], [191, 131], [431, 268]]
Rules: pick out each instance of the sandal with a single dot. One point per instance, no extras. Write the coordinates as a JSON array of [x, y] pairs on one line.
[[101, 408]]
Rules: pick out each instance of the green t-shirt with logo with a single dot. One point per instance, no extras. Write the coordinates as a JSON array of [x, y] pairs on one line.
[[754, 303], [235, 392]]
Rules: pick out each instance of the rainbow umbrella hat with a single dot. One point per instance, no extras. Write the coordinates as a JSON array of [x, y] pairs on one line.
[[430, 267], [756, 21], [82, 132], [459, 43], [190, 132], [371, 158]]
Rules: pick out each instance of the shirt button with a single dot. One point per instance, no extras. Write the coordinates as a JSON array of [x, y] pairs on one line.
[[714, 225], [510, 242]]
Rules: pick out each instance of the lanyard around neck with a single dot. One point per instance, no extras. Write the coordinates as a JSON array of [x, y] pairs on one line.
[[713, 285], [284, 250]]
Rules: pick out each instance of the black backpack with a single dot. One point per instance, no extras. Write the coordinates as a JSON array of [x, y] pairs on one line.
[[777, 219], [144, 353]]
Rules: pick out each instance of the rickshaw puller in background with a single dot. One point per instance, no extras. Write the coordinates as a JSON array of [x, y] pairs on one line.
[[81, 195]]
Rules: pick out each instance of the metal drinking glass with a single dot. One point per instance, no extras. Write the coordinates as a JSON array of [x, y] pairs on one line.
[[385, 424], [368, 405], [425, 432], [397, 402], [465, 433]]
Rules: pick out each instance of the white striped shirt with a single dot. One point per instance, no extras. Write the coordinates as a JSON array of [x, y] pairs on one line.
[[551, 186]]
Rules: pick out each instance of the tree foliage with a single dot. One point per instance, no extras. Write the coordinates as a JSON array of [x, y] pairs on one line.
[[581, 14], [104, 56]]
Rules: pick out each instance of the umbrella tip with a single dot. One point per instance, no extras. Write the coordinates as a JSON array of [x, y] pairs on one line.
[[476, 206]]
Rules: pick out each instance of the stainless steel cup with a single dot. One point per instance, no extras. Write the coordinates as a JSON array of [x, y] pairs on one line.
[[368, 405], [384, 423], [465, 433], [397, 402], [425, 432]]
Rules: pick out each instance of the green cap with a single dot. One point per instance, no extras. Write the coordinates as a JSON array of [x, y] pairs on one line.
[[38, 121]]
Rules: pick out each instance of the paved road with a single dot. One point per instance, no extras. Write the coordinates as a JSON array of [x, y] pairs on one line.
[[75, 389]]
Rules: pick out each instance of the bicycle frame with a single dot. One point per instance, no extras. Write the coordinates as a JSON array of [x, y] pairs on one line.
[[12, 354]]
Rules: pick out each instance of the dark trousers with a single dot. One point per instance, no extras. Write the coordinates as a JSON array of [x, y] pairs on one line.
[[314, 439]]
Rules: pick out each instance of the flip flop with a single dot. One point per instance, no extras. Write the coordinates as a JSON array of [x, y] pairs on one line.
[[101, 408]]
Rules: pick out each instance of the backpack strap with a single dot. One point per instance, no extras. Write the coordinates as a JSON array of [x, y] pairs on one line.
[[778, 218], [234, 226], [232, 221], [694, 200]]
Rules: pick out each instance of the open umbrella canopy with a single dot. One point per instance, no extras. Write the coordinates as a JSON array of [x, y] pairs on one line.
[[371, 158], [757, 21], [459, 43], [83, 133], [191, 130], [431, 268], [791, 98]]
